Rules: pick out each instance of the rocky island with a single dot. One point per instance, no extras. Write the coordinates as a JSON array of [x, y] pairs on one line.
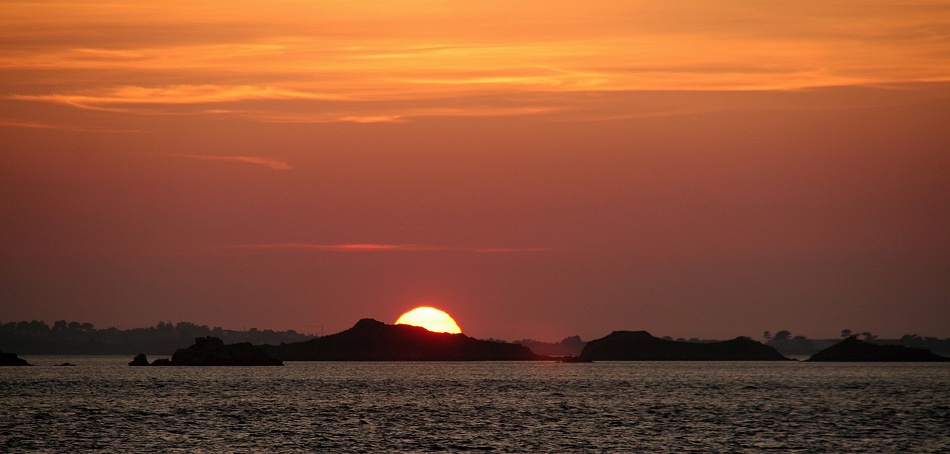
[[854, 350], [211, 351], [641, 346], [371, 340], [11, 359]]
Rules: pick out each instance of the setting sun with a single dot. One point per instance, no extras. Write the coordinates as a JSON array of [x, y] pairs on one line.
[[431, 319]]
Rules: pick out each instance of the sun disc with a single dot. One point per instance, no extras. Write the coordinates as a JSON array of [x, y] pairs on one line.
[[431, 319]]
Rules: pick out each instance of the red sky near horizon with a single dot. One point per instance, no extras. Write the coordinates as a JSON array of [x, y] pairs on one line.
[[535, 169]]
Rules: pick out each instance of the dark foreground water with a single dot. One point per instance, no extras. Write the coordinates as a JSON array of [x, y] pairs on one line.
[[507, 407]]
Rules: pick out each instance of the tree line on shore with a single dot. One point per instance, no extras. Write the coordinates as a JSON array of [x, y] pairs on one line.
[[75, 338], [787, 344]]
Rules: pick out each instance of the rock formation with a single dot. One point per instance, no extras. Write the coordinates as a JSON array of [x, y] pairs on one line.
[[854, 350], [211, 351], [371, 340], [641, 346], [11, 359], [139, 360]]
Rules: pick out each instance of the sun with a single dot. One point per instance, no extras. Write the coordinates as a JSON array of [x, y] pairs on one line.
[[431, 319]]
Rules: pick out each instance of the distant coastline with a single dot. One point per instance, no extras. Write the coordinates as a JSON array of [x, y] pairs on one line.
[[75, 338], [800, 346], [371, 340]]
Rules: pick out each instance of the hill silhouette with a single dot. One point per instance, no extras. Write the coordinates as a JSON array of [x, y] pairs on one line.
[[854, 350], [371, 340], [642, 346]]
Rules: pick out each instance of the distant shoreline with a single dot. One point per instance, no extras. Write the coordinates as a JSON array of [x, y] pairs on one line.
[[64, 338]]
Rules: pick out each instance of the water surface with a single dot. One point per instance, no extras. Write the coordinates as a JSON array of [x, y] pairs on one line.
[[483, 406]]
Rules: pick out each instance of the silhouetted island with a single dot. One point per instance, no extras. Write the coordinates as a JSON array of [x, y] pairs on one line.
[[371, 340], [211, 351], [854, 350], [641, 346], [11, 359]]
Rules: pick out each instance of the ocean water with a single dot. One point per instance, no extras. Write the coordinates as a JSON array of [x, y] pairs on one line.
[[104, 405]]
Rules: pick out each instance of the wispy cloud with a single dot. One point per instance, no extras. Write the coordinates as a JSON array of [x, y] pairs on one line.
[[266, 162], [374, 247], [34, 125], [328, 62], [172, 95], [318, 118]]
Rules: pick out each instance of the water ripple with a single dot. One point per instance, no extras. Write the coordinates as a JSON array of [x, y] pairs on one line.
[[477, 407]]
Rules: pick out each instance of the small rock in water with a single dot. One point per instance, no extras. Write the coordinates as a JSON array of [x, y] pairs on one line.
[[139, 360]]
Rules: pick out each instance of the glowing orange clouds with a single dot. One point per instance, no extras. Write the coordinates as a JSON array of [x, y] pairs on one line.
[[357, 62]]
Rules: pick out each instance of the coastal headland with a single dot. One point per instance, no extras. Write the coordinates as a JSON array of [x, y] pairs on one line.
[[372, 340]]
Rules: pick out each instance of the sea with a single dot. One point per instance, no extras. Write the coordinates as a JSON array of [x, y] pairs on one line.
[[101, 404]]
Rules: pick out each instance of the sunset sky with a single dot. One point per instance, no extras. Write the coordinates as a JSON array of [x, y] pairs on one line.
[[536, 169]]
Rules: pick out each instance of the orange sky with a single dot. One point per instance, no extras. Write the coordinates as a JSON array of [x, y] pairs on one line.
[[537, 169]]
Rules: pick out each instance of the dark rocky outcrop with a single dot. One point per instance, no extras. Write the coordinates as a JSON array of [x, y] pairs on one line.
[[139, 360], [641, 346], [854, 350], [211, 351], [11, 359], [371, 340]]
